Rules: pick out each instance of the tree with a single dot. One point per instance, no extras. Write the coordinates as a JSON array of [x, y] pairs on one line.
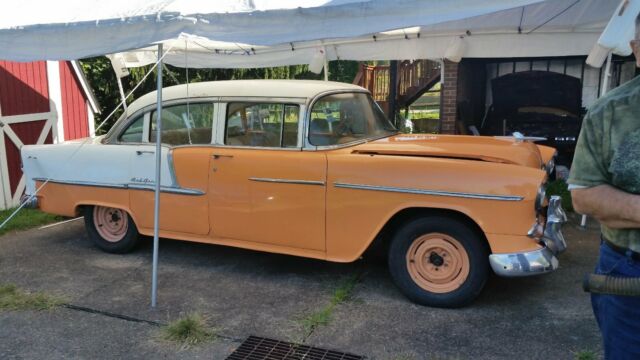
[[103, 80]]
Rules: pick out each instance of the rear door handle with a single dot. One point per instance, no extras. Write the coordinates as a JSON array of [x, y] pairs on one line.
[[218, 156]]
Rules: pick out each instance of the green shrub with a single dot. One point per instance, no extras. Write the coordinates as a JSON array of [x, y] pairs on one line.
[[560, 187]]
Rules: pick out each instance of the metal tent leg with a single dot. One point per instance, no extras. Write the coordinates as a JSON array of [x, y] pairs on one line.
[[156, 204]]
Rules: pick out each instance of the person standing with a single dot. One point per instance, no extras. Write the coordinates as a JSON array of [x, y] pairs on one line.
[[605, 184]]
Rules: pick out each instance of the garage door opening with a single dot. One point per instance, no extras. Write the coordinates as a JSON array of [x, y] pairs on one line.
[[537, 103]]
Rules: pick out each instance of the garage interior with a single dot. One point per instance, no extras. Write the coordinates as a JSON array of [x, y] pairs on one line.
[[538, 97]]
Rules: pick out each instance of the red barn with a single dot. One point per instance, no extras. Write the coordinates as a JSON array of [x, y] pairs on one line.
[[40, 103]]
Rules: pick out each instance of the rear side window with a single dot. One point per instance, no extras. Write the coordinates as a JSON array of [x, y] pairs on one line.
[[262, 124], [184, 124], [134, 132]]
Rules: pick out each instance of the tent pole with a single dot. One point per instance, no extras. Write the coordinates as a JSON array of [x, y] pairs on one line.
[[124, 98], [156, 203], [326, 66]]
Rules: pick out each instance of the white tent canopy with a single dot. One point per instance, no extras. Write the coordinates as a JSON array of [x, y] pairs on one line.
[[73, 29], [550, 28], [616, 36]]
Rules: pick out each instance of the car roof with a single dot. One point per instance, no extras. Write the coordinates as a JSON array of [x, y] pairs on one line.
[[243, 88]]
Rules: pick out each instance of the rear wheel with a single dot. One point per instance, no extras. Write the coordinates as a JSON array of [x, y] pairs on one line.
[[438, 261], [111, 229]]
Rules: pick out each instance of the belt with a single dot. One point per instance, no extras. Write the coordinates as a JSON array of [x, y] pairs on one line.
[[621, 250]]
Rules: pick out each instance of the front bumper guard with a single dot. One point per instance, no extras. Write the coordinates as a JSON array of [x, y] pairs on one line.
[[542, 260]]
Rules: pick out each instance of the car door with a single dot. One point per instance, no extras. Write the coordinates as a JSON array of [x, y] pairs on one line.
[[263, 187], [183, 201]]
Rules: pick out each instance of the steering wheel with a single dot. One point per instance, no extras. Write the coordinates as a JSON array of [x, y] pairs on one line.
[[343, 128]]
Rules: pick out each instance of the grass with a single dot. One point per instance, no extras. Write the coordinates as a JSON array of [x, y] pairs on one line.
[[585, 355], [188, 331], [26, 219], [12, 298], [322, 317], [560, 187]]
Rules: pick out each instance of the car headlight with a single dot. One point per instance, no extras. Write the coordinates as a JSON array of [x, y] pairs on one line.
[[541, 198]]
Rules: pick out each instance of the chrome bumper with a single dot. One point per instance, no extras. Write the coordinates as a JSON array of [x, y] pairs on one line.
[[524, 264], [29, 202], [538, 261]]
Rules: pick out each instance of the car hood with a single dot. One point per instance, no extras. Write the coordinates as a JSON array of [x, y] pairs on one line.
[[481, 148]]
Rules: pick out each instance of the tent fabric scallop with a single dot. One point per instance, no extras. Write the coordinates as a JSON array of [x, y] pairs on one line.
[[549, 28], [72, 29]]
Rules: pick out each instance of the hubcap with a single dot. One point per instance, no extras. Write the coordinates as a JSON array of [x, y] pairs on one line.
[[438, 263], [111, 223]]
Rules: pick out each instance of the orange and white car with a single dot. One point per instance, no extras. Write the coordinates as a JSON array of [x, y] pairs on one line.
[[312, 169]]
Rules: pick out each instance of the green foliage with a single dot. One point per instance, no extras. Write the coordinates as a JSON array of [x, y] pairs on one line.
[[342, 293], [12, 298], [103, 80], [560, 187], [585, 355], [189, 330], [26, 219]]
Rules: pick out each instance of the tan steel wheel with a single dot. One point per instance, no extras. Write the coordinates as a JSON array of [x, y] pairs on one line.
[[438, 263], [110, 223]]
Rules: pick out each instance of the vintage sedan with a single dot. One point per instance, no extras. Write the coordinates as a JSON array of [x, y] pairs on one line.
[[312, 169]]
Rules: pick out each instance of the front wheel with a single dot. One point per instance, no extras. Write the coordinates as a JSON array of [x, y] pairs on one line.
[[438, 261], [111, 229]]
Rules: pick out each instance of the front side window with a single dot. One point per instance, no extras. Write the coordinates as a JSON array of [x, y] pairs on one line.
[[134, 132], [343, 118], [184, 124], [262, 124]]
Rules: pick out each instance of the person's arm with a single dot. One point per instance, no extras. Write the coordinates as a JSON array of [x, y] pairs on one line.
[[614, 208]]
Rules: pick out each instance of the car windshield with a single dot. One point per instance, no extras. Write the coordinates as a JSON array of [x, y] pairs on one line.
[[347, 117]]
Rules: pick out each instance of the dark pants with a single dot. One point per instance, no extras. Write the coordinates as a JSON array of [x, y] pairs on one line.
[[618, 316]]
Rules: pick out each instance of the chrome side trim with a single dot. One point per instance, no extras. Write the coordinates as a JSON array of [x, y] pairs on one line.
[[524, 264], [172, 169], [167, 189], [428, 192], [288, 181], [83, 183], [147, 187]]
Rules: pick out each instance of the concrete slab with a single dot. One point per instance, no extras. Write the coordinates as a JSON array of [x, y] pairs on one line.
[[246, 293]]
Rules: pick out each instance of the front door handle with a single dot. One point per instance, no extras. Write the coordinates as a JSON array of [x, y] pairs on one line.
[[218, 156], [140, 152]]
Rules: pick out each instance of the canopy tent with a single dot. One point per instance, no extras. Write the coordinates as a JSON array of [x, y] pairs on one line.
[[550, 28], [616, 36], [37, 29], [254, 33]]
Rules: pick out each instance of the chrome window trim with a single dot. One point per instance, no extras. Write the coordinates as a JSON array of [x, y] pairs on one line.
[[428, 192], [263, 99], [172, 169], [288, 181], [133, 186], [307, 145]]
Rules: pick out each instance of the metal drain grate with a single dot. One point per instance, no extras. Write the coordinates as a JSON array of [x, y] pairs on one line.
[[258, 348]]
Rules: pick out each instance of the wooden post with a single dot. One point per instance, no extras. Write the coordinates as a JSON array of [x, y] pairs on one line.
[[393, 87]]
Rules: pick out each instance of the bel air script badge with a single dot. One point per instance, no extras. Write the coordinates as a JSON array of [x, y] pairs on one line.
[[141, 180]]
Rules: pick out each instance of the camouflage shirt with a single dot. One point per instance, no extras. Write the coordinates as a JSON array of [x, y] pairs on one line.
[[608, 151]]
